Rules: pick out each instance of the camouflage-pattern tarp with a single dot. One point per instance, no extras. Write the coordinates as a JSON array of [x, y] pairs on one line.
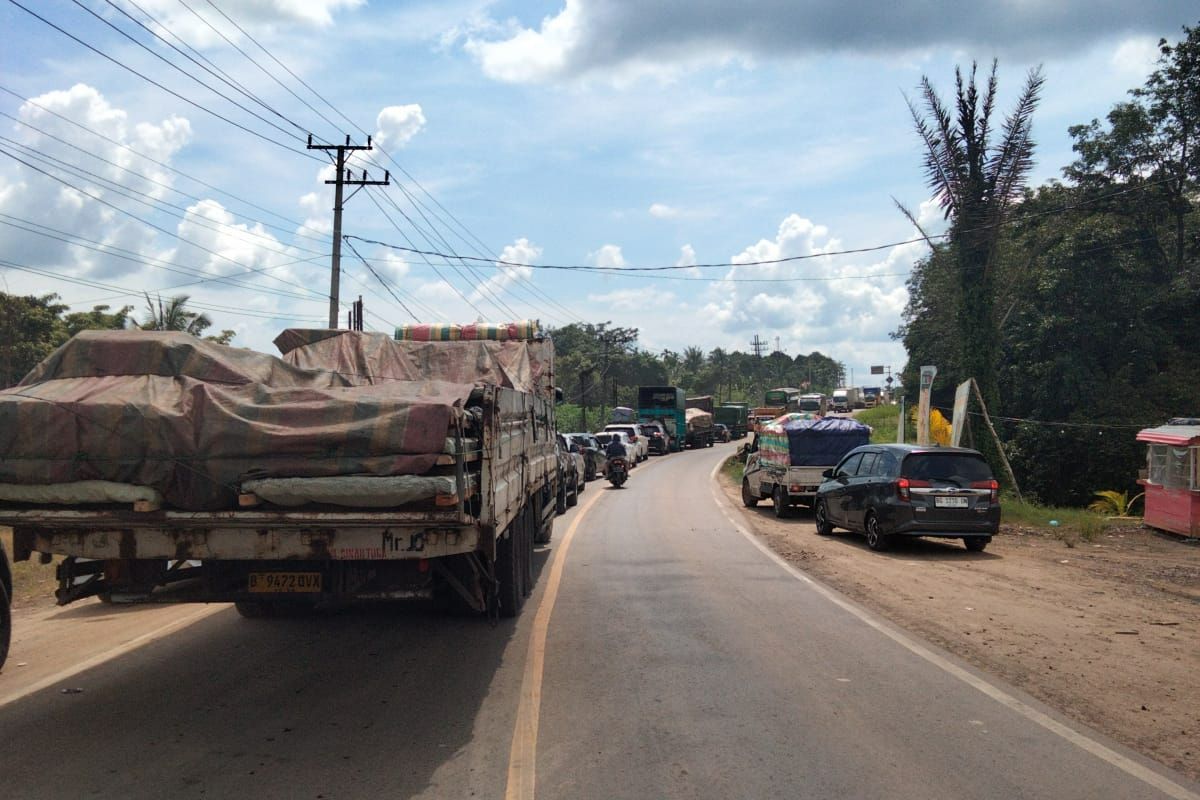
[[192, 419]]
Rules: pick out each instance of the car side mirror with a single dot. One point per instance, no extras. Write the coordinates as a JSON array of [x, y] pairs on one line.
[[827, 473]]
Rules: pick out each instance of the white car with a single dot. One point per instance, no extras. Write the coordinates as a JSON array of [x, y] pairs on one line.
[[605, 436], [640, 441]]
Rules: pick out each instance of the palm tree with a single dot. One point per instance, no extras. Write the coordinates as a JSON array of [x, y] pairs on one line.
[[976, 181], [174, 316]]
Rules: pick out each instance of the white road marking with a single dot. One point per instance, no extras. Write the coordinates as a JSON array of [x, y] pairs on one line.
[[114, 652], [1107, 754]]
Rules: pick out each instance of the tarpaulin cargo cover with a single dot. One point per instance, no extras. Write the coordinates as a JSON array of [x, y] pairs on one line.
[[193, 419], [796, 441]]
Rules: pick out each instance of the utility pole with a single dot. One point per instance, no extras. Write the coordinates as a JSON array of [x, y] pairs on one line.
[[342, 177], [758, 345]]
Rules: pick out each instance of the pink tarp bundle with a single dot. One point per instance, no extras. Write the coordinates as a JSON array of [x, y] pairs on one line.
[[193, 419]]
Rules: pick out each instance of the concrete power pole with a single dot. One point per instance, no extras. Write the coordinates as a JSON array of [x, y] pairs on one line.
[[342, 178]]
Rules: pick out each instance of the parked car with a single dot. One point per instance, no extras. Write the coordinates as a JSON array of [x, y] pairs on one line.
[[576, 451], [568, 477], [640, 442], [890, 490], [593, 454], [657, 440], [604, 437], [721, 432], [6, 589]]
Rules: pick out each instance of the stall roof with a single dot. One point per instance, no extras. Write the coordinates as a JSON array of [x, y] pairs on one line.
[[1171, 434]]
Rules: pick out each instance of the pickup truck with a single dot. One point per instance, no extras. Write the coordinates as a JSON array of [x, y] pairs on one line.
[[786, 459], [167, 469]]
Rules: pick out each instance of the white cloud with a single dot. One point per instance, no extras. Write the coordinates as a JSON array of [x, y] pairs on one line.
[[397, 125], [1135, 58], [608, 256], [663, 211], [522, 251], [620, 40], [255, 15]]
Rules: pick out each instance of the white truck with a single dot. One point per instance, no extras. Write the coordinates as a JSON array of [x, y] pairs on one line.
[[786, 459], [168, 469], [845, 399]]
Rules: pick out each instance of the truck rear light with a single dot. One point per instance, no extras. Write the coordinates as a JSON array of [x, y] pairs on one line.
[[904, 484], [993, 485]]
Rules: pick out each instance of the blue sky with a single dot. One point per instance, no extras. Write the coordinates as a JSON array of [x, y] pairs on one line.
[[585, 132]]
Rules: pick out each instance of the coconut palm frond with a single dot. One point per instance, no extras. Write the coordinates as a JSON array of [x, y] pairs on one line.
[[1013, 159], [941, 142]]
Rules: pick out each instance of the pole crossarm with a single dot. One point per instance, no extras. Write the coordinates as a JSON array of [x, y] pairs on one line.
[[343, 177]]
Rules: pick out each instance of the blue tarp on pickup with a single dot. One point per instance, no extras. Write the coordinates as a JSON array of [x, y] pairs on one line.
[[823, 442]]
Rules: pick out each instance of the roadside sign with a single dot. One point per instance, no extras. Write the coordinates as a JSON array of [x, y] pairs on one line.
[[877, 370], [959, 422], [928, 373]]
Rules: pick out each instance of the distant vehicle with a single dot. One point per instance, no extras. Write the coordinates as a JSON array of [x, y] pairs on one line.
[[787, 458], [785, 397], [703, 402], [593, 453], [699, 428], [604, 437], [622, 414], [872, 396], [735, 416], [641, 443], [657, 439], [814, 403], [581, 460], [6, 589], [664, 404], [846, 399], [568, 477], [721, 433], [891, 490]]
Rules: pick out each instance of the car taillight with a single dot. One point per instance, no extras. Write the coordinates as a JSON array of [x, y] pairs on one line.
[[904, 484], [993, 485]]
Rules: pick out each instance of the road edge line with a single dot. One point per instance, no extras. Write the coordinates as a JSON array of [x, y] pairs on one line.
[[110, 654], [1080, 740]]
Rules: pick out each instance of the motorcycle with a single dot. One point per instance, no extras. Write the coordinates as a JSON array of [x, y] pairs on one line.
[[618, 471]]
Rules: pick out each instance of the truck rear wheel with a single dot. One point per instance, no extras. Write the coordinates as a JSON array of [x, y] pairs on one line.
[[514, 564], [782, 504], [748, 498], [5, 620]]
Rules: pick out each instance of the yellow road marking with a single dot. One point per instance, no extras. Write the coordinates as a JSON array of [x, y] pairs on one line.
[[522, 757]]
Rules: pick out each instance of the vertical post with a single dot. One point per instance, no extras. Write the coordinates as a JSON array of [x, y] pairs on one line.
[[336, 266], [340, 178]]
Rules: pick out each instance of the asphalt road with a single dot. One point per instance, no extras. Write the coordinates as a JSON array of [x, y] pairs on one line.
[[679, 661]]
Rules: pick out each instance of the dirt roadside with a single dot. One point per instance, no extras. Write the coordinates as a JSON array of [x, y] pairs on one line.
[[1106, 632]]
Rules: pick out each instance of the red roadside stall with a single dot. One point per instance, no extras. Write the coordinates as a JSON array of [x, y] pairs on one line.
[[1172, 479]]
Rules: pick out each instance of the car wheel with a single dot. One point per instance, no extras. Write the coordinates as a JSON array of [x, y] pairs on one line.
[[748, 498], [876, 539], [821, 518], [976, 544], [560, 502], [573, 498], [5, 621], [780, 499]]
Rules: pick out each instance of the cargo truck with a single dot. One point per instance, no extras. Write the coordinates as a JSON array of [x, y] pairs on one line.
[[665, 405], [164, 468], [846, 399], [786, 459], [703, 402], [735, 416], [699, 428]]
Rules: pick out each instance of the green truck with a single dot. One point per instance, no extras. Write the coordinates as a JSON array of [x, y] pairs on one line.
[[664, 404], [735, 416]]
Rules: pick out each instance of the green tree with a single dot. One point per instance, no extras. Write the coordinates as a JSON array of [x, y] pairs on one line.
[[30, 329], [98, 319], [174, 315], [976, 180]]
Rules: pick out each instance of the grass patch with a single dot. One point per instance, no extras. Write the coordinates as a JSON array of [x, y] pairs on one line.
[[1073, 524], [31, 580], [733, 468], [883, 420]]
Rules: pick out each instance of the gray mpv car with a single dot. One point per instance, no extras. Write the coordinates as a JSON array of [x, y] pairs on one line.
[[887, 490]]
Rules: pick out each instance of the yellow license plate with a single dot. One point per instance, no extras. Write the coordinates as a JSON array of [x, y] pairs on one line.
[[285, 582]]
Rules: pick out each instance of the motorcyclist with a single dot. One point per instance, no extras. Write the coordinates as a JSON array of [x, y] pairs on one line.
[[615, 449]]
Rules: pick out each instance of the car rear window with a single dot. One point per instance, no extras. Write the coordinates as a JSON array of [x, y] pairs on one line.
[[961, 469]]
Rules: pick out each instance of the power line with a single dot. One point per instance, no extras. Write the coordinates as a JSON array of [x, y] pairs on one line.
[[153, 82], [382, 282], [163, 164]]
